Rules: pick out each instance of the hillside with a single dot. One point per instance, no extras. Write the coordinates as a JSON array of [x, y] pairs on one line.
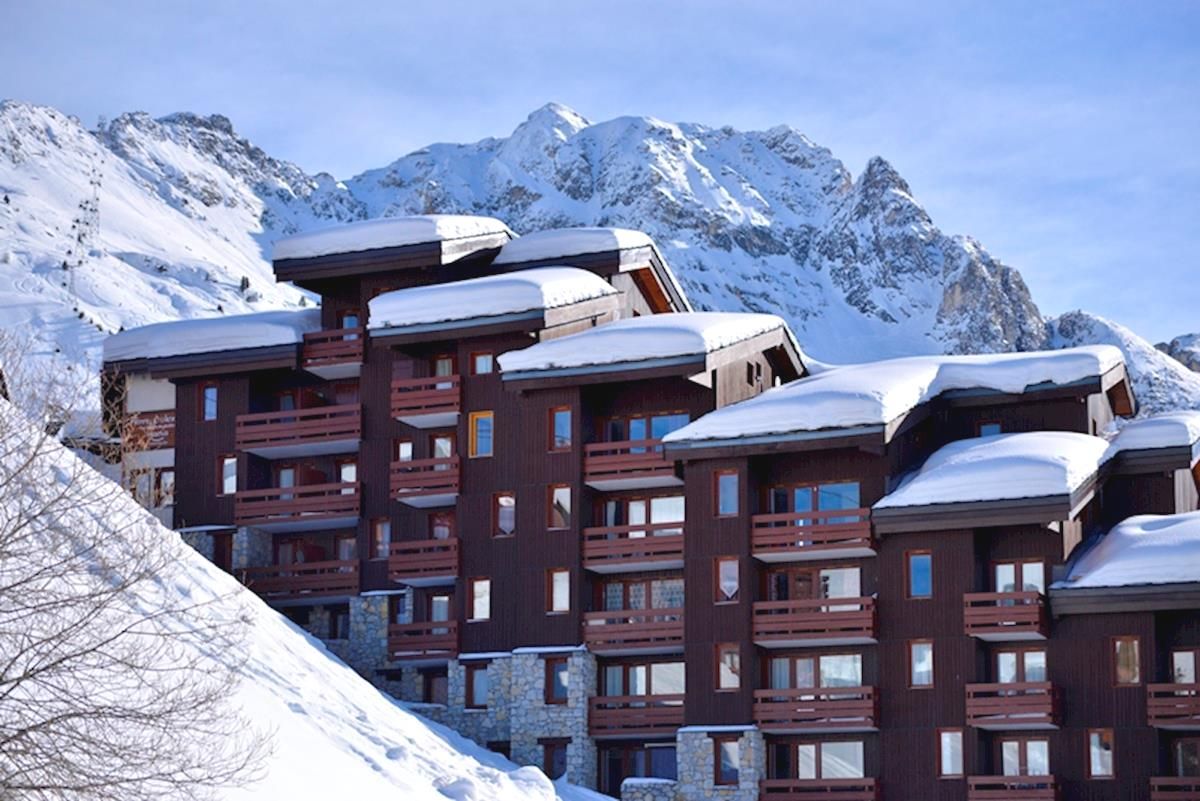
[[1185, 349]]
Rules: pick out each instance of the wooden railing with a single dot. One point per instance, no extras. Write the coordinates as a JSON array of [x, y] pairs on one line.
[[413, 397], [605, 546], [1014, 705], [624, 460], [425, 477], [1012, 788], [819, 789], [824, 619], [304, 579], [1173, 706], [431, 639], [1003, 615], [298, 426], [815, 533], [634, 715], [1175, 789], [633, 630], [291, 504], [816, 709], [336, 346], [423, 559]]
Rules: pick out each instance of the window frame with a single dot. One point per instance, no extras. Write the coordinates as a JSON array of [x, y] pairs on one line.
[[399, 443], [912, 664], [718, 595], [552, 445], [551, 489], [551, 574], [202, 401], [471, 599], [551, 745], [980, 424], [1112, 752], [962, 753], [473, 419], [1114, 645], [471, 669], [496, 531], [722, 648], [475, 355], [718, 740], [221, 460], [551, 663], [718, 475], [908, 574], [376, 523]]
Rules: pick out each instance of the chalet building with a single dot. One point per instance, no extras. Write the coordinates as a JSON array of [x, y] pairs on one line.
[[519, 483]]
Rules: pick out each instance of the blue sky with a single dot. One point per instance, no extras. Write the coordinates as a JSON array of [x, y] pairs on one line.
[[1063, 136]]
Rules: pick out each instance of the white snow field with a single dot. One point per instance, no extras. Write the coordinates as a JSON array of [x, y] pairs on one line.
[[1145, 549]]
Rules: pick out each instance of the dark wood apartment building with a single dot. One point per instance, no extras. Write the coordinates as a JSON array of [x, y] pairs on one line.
[[519, 483]]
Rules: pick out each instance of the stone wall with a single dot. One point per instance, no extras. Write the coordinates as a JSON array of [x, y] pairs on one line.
[[533, 718], [694, 760], [367, 652], [200, 541], [481, 725], [251, 548], [649, 790]]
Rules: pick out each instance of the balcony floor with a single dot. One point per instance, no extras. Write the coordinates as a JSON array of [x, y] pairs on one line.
[[435, 420], [292, 450], [431, 501], [303, 523], [811, 555]]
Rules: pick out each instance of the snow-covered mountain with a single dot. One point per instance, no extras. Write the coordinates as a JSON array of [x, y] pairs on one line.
[[146, 220], [1185, 348]]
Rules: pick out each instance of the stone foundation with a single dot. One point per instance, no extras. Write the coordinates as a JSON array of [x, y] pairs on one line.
[[694, 760], [649, 790], [533, 718], [251, 548], [481, 725], [367, 652], [200, 541]]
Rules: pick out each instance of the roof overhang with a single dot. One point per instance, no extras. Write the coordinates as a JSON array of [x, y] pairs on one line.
[[191, 365], [584, 313], [380, 260], [1139, 598], [867, 438]]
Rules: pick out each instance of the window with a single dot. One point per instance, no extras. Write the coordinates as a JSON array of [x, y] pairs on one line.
[[227, 478], [554, 757], [950, 752], [726, 756], [560, 429], [1020, 576], [481, 434], [434, 686], [805, 499], [481, 363], [988, 428], [802, 672], [166, 487], [1025, 756], [1100, 754], [808, 583], [729, 666], [501, 747], [208, 401], [726, 579], [1183, 666], [1187, 758], [402, 450], [441, 525], [726, 482], [1016, 665], [559, 507], [399, 608], [480, 600], [477, 686], [558, 590], [642, 593], [835, 759], [1126, 661], [920, 668], [442, 447], [381, 538], [339, 622], [556, 679], [919, 570], [504, 514]]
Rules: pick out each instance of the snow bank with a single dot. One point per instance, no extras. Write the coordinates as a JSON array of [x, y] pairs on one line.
[[1035, 464], [1169, 430], [1146, 549], [212, 334], [508, 293], [876, 393], [385, 232], [638, 339], [559, 242]]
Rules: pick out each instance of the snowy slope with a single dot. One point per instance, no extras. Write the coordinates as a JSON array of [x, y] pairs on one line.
[[1185, 349]]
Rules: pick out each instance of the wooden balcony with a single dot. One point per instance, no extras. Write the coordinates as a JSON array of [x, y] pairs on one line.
[[825, 621], [427, 402], [1005, 616], [1175, 789], [424, 563], [809, 710], [302, 582], [1015, 706], [334, 354], [818, 790], [805, 536], [634, 631], [618, 716], [1012, 788], [426, 483], [307, 508], [629, 464], [300, 432], [619, 549], [428, 642], [1173, 706]]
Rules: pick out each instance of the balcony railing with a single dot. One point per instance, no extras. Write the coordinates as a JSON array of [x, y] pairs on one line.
[[303, 580], [648, 546], [300, 432], [629, 464], [634, 631], [825, 621], [1012, 788], [1013, 706], [821, 709], [819, 790], [298, 508], [428, 641], [804, 536], [1173, 706], [1005, 616], [635, 715], [337, 353], [425, 483], [427, 402], [1175, 789], [424, 562]]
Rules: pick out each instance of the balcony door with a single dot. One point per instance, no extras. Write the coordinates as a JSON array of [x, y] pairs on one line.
[[1029, 576], [639, 511], [816, 761], [1187, 758], [806, 583], [826, 670], [652, 426], [1024, 756], [441, 446], [1019, 665], [647, 678], [1183, 665], [347, 474], [635, 594], [437, 610], [443, 366], [285, 478]]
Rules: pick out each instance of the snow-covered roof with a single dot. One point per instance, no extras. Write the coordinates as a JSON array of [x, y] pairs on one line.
[[205, 335], [1035, 464], [385, 232], [490, 296], [641, 339], [1146, 549], [556, 243], [1169, 430], [876, 393]]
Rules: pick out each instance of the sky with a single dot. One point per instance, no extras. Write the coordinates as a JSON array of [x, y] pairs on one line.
[[1063, 136]]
